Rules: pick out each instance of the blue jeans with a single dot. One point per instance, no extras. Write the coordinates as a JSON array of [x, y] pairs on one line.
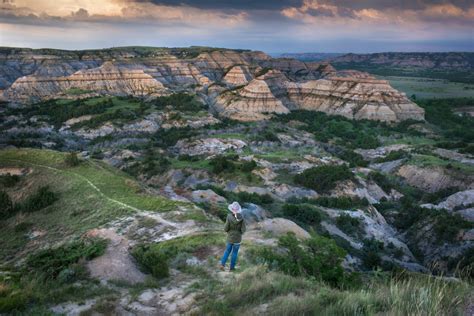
[[234, 248]]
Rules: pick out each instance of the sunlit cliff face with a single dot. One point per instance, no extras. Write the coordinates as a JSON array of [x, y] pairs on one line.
[[270, 25]]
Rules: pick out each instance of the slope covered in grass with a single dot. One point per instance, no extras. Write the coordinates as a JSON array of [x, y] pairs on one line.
[[89, 195]]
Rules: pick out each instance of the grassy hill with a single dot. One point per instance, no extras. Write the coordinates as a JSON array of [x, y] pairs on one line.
[[89, 195]]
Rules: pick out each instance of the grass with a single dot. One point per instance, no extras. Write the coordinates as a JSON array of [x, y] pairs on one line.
[[409, 140], [432, 161], [407, 294], [80, 206], [427, 88], [202, 164], [283, 155]]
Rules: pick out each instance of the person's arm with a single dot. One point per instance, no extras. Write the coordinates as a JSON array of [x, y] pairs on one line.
[[227, 225], [243, 228]]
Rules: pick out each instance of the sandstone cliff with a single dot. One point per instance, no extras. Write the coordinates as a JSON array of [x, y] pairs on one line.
[[244, 85]]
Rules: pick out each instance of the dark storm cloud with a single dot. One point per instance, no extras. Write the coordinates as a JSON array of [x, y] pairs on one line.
[[320, 12], [230, 4], [400, 4]]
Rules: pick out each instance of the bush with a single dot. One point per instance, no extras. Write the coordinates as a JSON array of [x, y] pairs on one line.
[[348, 224], [323, 178], [468, 150], [6, 205], [371, 258], [381, 181], [268, 136], [317, 256], [72, 160], [393, 155], [153, 260], [248, 166], [44, 197], [169, 137], [9, 180], [302, 213], [229, 164], [253, 197], [221, 164], [354, 159], [52, 261]]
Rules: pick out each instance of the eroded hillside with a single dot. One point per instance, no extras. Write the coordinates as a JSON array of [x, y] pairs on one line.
[[244, 85]]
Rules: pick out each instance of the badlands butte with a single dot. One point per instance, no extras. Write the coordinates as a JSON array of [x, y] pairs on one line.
[[242, 85]]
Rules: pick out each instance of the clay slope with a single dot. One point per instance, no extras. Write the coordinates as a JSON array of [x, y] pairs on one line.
[[106, 79], [353, 97], [243, 85]]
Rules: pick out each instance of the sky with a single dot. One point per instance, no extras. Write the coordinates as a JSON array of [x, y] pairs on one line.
[[273, 26]]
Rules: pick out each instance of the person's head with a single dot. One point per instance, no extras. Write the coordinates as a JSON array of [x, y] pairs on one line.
[[235, 208]]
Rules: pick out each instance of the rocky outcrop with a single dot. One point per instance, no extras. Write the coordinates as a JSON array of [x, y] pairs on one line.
[[355, 98], [243, 85], [208, 146], [106, 79], [237, 76], [251, 102], [432, 179]]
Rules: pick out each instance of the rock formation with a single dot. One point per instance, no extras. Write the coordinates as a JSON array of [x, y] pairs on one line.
[[243, 85]]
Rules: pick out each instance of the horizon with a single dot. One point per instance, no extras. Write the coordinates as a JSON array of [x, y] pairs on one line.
[[275, 27], [247, 49]]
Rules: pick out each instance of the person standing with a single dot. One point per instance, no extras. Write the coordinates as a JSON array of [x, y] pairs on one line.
[[235, 228]]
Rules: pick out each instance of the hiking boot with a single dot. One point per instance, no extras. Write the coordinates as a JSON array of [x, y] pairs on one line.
[[232, 270], [222, 267]]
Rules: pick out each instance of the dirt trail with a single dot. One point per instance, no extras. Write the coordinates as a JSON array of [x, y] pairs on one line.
[[93, 186]]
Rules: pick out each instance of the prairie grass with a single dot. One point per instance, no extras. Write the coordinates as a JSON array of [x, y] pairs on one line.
[[258, 291]]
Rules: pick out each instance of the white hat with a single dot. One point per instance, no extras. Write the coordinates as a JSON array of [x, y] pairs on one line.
[[235, 207]]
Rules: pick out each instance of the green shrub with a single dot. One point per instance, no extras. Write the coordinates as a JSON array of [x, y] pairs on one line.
[[230, 164], [267, 135], [354, 159], [371, 253], [381, 180], [341, 202], [221, 164], [44, 197], [302, 213], [348, 224], [13, 301], [454, 127], [52, 261], [393, 155], [169, 137], [6, 205], [248, 166], [323, 178], [253, 197], [22, 227], [447, 226], [72, 160], [317, 256], [9, 180], [467, 150], [152, 260]]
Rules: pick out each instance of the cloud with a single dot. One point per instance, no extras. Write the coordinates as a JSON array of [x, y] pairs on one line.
[[259, 24], [229, 4], [80, 14]]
